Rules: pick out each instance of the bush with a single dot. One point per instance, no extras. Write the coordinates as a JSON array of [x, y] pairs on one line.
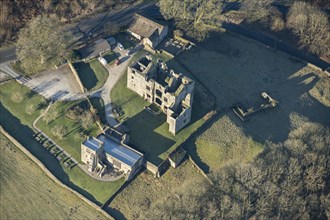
[[30, 109], [17, 97], [73, 56], [59, 131]]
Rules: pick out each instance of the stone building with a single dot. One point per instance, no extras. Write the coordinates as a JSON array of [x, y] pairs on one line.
[[148, 31], [111, 148], [171, 92]]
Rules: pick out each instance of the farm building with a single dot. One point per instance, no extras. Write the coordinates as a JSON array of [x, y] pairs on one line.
[[171, 92], [111, 148], [150, 32]]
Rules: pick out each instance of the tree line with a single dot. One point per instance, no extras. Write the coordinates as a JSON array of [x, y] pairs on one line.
[[289, 180], [14, 14], [305, 20]]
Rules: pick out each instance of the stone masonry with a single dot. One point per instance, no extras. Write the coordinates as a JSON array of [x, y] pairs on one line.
[[171, 92]]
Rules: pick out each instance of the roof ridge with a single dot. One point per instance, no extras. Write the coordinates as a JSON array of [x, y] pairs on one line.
[[154, 22]]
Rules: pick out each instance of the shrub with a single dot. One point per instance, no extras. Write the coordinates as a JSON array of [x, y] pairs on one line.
[[30, 109], [59, 131], [17, 97]]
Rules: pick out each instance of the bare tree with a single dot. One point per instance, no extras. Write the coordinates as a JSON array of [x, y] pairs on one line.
[[196, 17], [312, 27], [59, 131], [87, 119], [256, 9], [111, 28], [17, 97]]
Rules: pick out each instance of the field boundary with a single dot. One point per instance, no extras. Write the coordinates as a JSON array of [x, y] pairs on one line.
[[200, 170], [49, 174], [76, 76]]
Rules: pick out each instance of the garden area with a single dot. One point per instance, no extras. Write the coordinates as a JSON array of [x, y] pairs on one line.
[[149, 133], [17, 117], [92, 74]]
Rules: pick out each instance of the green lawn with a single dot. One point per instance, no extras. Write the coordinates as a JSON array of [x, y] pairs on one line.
[[148, 133], [29, 98], [223, 143], [19, 124], [92, 74], [71, 141]]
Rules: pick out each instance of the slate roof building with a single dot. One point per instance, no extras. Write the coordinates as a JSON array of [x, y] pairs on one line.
[[151, 33], [108, 149]]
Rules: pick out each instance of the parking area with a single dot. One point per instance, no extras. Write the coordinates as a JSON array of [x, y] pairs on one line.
[[55, 84]]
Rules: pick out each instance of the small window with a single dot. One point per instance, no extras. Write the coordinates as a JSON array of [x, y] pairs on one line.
[[147, 87], [148, 96], [165, 99], [184, 121], [132, 77]]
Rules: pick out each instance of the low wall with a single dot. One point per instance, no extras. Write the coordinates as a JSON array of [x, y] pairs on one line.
[[74, 71], [200, 170], [151, 167], [49, 174]]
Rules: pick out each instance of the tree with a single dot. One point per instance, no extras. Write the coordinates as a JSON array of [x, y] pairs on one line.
[[111, 28], [256, 9], [312, 27], [17, 97], [30, 109], [196, 17], [87, 119], [59, 131], [50, 115], [41, 44]]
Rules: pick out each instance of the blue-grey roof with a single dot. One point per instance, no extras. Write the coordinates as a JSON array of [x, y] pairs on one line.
[[120, 152], [92, 144]]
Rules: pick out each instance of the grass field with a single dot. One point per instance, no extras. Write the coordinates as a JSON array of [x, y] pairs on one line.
[[19, 124], [237, 71], [145, 190], [222, 144], [92, 74], [35, 196], [149, 133]]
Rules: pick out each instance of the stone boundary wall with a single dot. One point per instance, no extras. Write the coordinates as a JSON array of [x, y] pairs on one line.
[[49, 174], [74, 71], [200, 170]]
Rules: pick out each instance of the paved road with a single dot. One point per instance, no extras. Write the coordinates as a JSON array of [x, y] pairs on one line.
[[7, 54], [82, 29], [275, 43]]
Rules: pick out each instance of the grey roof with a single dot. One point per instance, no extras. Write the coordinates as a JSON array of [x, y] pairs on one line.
[[145, 27], [120, 152], [92, 144], [94, 49]]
